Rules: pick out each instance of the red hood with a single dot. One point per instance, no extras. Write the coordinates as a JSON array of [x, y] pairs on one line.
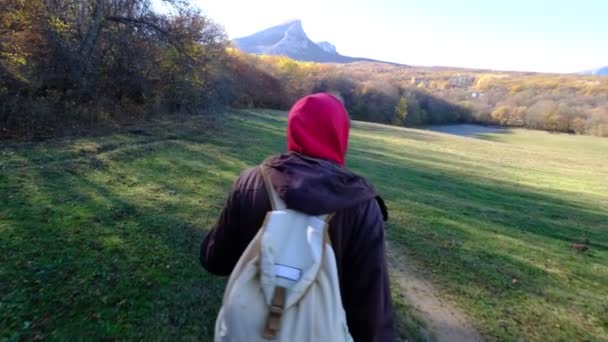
[[318, 127]]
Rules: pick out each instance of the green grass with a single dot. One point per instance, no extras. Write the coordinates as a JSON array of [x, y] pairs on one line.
[[99, 235]]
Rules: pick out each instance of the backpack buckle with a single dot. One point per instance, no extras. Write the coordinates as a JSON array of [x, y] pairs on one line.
[[275, 312]]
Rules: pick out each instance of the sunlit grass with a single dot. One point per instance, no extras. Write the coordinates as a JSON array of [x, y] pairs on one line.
[[100, 235], [492, 221]]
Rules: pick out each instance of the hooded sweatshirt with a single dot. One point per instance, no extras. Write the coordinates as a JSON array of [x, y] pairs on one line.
[[318, 126], [310, 178]]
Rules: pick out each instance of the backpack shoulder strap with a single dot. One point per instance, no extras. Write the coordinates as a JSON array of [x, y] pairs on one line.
[[275, 201]]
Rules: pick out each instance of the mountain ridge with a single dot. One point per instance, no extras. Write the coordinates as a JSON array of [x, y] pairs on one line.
[[289, 39]]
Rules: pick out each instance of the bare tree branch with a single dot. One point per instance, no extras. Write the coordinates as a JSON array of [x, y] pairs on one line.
[[147, 24]]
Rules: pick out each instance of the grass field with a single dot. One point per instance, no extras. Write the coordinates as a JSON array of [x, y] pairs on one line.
[[99, 235]]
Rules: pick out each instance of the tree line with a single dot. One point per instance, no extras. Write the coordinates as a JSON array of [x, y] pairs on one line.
[[66, 64], [415, 96]]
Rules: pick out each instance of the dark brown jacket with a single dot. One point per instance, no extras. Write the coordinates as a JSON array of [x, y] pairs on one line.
[[357, 232]]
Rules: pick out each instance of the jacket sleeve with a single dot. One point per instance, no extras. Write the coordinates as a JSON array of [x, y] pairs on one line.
[[367, 301], [224, 244], [237, 225]]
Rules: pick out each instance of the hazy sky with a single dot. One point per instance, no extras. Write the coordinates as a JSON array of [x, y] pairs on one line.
[[527, 35]]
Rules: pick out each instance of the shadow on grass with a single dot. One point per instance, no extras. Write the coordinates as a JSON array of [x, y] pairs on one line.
[[395, 132], [494, 136], [469, 130], [101, 262], [500, 245], [108, 247]]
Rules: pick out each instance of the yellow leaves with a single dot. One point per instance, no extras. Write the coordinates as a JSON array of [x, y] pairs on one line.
[[233, 52], [281, 67], [545, 83], [439, 84], [501, 114], [579, 125], [510, 116], [487, 81], [13, 58], [195, 49], [516, 88], [58, 25], [15, 16], [400, 112], [13, 64]]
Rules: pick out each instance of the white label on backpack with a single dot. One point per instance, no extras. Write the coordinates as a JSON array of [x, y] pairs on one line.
[[286, 272]]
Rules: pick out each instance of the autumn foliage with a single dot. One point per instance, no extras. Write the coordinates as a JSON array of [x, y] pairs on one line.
[[413, 96], [71, 63], [66, 64]]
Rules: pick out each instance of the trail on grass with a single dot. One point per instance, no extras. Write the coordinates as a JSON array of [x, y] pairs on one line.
[[444, 322]]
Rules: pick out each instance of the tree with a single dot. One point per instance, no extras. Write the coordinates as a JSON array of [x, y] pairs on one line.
[[400, 112], [72, 61], [501, 115]]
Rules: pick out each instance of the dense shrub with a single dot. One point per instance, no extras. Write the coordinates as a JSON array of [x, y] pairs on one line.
[[78, 62]]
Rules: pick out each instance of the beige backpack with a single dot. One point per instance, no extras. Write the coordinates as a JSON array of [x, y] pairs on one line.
[[285, 285]]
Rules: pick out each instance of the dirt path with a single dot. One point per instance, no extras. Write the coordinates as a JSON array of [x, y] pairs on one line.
[[444, 322]]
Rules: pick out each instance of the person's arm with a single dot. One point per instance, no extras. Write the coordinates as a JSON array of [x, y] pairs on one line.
[[368, 298], [218, 251], [237, 225]]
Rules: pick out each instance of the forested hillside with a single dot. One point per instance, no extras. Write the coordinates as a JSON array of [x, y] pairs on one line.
[[412, 96]]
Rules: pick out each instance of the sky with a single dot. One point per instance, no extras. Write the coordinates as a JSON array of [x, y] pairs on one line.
[[518, 35]]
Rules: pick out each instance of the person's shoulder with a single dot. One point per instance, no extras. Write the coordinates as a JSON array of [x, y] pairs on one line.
[[375, 201], [371, 210], [251, 178], [255, 172], [248, 179], [250, 172]]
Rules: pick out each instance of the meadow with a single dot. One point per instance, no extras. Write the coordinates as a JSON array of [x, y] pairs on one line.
[[100, 234]]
